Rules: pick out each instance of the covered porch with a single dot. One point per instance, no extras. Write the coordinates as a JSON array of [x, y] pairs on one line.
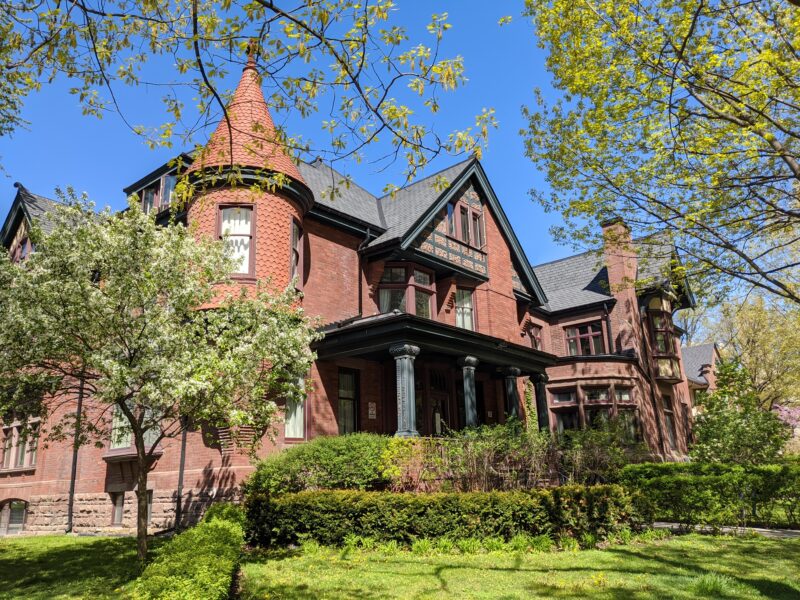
[[405, 375]]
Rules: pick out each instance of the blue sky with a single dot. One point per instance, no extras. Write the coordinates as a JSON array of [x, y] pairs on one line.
[[62, 147]]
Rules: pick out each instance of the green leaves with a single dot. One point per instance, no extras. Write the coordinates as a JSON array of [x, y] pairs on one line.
[[680, 117], [126, 305]]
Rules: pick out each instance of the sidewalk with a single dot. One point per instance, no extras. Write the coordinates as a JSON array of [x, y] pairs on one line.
[[778, 534]]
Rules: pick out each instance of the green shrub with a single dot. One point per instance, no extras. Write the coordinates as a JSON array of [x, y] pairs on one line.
[[469, 545], [329, 462], [542, 543], [227, 511], [198, 564], [330, 516], [568, 544], [422, 547], [713, 494], [714, 585], [494, 544]]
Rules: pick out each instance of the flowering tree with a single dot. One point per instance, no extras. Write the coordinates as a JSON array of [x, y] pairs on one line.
[[731, 427], [129, 314]]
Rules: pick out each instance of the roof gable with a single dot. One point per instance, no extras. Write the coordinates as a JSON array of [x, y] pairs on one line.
[[30, 208], [413, 208]]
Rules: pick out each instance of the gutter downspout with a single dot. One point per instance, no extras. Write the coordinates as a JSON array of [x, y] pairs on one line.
[[75, 445], [179, 492], [360, 249], [611, 346]]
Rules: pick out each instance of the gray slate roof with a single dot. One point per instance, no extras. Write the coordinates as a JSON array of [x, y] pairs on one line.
[[574, 281], [332, 191], [694, 357], [38, 208], [408, 204], [582, 279]]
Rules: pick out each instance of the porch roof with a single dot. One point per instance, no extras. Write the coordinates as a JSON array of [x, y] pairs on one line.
[[371, 337]]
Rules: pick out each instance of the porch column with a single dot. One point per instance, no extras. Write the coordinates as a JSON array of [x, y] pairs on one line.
[[542, 409], [404, 355], [468, 364], [512, 397]]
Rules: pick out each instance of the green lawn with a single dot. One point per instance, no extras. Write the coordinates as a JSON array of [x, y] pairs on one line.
[[683, 567], [66, 567]]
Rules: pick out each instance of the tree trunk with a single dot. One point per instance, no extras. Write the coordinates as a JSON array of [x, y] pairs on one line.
[[141, 512]]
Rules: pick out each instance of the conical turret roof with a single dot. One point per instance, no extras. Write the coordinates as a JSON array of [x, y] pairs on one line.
[[251, 139]]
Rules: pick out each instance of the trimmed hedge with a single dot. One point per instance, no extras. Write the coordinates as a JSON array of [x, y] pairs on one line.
[[350, 461], [716, 494], [197, 564], [329, 517]]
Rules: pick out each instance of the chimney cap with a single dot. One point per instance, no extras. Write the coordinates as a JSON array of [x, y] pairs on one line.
[[614, 220]]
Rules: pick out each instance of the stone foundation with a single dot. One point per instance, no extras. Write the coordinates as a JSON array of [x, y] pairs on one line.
[[93, 513]]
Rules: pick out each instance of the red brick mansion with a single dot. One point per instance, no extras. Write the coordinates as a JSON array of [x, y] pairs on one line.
[[434, 319]]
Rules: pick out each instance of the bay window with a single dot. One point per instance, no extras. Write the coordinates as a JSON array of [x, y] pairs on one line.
[[567, 419], [629, 423], [585, 340], [236, 229], [664, 340], [565, 396], [465, 311], [407, 288]]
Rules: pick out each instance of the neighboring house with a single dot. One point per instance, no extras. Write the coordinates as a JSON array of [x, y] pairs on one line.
[[700, 365], [434, 319]]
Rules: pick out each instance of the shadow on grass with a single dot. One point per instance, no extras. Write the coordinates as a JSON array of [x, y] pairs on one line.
[[45, 567]]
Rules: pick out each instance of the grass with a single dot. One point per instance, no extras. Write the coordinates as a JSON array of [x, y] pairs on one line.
[[691, 566], [45, 567]]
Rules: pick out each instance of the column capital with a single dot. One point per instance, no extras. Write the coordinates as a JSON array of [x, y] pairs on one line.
[[512, 372], [404, 350], [540, 378], [468, 361]]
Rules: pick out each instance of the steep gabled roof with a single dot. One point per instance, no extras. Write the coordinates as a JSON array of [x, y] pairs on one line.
[[251, 140], [412, 208], [332, 192], [408, 205], [30, 207], [695, 358], [582, 280]]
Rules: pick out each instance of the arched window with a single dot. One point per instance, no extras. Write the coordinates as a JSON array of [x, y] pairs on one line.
[[13, 515]]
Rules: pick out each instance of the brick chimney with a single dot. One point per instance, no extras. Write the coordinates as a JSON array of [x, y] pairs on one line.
[[619, 255]]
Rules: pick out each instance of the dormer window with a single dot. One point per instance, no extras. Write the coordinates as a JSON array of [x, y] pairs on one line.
[[149, 199], [407, 288]]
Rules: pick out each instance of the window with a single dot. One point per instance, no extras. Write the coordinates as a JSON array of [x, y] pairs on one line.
[[465, 223], [19, 447], [348, 401], [597, 416], [477, 230], [297, 247], [596, 394], [168, 191], [565, 396], [464, 218], [8, 441], [149, 199], [120, 430], [585, 340], [669, 421], [535, 336], [407, 286], [149, 506], [236, 228], [122, 435], [117, 507], [295, 418], [465, 313], [623, 395], [629, 421], [16, 516], [567, 419]]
